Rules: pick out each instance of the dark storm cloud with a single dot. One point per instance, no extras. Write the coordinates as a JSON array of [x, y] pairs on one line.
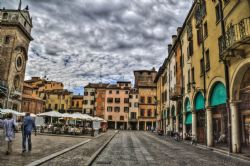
[[81, 41]]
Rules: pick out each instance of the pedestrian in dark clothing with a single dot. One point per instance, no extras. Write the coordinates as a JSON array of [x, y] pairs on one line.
[[28, 126]]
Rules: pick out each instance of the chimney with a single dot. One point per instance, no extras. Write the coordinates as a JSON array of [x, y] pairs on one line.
[[174, 37], [169, 48], [178, 31]]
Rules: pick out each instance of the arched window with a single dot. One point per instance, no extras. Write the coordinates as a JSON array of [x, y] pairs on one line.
[[5, 16], [17, 82], [7, 39]]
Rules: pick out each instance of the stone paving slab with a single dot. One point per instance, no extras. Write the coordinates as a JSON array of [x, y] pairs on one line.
[[143, 148], [54, 155], [42, 146], [80, 155]]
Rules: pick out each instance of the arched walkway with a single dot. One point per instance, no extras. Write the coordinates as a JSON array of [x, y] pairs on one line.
[[173, 117], [188, 117], [240, 107], [199, 105], [217, 102]]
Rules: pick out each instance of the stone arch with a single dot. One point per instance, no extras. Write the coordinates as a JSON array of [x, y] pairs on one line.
[[211, 85], [236, 79], [197, 101], [17, 82], [186, 103], [173, 113], [220, 89]]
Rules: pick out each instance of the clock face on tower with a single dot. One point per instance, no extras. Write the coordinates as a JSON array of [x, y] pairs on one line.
[[19, 62]]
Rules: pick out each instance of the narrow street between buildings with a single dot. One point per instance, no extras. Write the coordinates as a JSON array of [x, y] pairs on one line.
[[145, 148]]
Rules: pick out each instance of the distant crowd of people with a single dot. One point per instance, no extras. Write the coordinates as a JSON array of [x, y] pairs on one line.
[[9, 126]]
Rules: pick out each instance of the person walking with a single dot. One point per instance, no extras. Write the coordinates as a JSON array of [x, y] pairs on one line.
[[28, 126], [9, 126]]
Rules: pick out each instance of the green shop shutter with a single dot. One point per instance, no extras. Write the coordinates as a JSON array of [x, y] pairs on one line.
[[199, 101], [188, 108], [218, 95], [188, 119], [173, 111]]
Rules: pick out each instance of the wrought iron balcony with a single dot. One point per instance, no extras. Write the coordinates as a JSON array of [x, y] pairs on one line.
[[175, 93], [200, 12], [236, 37]]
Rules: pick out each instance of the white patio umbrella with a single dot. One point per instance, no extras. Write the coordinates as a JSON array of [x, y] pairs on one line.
[[51, 114], [31, 114], [5, 111], [66, 115], [98, 119], [83, 116], [88, 117]]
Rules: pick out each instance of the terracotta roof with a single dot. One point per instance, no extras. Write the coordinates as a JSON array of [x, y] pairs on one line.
[[27, 85], [148, 71], [115, 86], [26, 96], [96, 85], [77, 97], [36, 79], [112, 86], [57, 91], [159, 73], [123, 81]]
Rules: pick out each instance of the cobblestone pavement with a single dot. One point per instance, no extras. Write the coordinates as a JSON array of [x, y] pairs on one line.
[[42, 146], [144, 148], [80, 155]]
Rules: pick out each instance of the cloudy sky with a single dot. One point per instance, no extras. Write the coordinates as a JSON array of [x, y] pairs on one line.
[[77, 41]]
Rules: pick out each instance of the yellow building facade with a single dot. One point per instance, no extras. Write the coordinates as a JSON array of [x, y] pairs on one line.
[[57, 100], [214, 44]]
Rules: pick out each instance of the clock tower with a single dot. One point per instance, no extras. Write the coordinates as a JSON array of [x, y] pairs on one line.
[[15, 36]]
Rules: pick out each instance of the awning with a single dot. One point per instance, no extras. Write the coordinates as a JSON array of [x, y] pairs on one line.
[[188, 119], [199, 102], [219, 95], [51, 114]]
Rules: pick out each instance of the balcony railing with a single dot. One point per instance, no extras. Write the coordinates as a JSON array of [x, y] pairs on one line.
[[200, 12], [236, 36], [175, 93]]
